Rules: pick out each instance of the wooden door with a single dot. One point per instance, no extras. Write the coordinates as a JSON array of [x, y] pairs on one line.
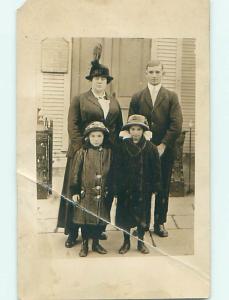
[[129, 58]]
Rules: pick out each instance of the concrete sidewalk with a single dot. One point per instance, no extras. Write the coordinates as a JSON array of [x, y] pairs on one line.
[[180, 225]]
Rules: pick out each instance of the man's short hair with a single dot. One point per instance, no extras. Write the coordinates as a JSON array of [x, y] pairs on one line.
[[155, 63]]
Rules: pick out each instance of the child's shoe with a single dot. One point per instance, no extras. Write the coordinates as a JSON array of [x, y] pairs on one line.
[[84, 249], [98, 248], [142, 248], [125, 247]]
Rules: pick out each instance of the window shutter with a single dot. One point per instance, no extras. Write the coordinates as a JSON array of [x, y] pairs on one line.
[[53, 106], [55, 96], [55, 91], [167, 53]]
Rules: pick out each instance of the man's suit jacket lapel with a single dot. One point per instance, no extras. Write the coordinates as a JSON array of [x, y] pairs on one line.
[[147, 98], [160, 97]]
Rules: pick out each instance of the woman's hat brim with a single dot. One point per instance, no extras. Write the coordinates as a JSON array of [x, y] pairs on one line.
[[109, 78], [127, 126]]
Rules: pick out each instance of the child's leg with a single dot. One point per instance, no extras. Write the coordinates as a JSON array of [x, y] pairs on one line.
[[141, 246], [72, 236], [96, 232], [84, 246], [126, 244]]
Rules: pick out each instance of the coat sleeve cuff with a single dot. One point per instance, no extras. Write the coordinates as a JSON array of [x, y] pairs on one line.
[[74, 190]]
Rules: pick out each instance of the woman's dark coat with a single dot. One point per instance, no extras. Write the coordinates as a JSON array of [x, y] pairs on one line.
[[83, 110], [137, 176], [92, 180]]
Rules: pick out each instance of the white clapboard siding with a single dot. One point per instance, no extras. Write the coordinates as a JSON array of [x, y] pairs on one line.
[[188, 71], [53, 102], [166, 50]]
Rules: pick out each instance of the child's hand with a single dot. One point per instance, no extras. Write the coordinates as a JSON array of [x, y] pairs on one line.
[[115, 200], [148, 135], [161, 149], [125, 134], [76, 198]]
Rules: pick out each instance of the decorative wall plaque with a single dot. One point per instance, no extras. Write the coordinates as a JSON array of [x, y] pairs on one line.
[[54, 55]]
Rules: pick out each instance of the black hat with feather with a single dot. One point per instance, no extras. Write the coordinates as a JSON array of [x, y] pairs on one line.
[[98, 69]]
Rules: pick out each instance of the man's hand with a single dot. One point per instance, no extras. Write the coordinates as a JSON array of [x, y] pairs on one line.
[[161, 149], [76, 198]]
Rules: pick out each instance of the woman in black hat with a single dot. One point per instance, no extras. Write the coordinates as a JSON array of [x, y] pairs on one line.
[[94, 105]]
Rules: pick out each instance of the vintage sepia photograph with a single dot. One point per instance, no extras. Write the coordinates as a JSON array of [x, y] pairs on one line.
[[113, 149], [105, 86]]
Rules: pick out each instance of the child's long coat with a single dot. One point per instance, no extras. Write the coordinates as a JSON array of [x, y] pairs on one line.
[[91, 179], [137, 177]]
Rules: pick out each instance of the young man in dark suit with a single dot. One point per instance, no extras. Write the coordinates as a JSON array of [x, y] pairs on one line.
[[162, 110]]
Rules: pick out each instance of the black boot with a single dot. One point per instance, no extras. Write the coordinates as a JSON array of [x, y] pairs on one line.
[[97, 247], [72, 237], [125, 247], [126, 244], [142, 248], [84, 248]]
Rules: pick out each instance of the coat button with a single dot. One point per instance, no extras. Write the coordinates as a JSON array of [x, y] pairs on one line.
[[98, 176], [98, 187], [98, 197]]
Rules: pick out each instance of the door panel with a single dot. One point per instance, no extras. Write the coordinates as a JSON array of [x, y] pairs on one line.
[[130, 66], [129, 58]]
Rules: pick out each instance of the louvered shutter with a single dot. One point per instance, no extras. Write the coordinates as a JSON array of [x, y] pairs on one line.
[[53, 102], [166, 51], [54, 96]]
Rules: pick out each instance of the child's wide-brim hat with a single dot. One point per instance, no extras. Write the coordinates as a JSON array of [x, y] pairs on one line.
[[96, 126], [138, 120]]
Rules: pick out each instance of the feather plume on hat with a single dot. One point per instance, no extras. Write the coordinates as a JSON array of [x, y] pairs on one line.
[[98, 69], [97, 51]]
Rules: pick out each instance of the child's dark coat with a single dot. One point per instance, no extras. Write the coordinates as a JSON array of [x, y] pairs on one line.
[[137, 177], [91, 179]]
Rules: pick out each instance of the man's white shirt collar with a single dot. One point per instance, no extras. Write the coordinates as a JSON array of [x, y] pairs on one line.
[[155, 88]]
